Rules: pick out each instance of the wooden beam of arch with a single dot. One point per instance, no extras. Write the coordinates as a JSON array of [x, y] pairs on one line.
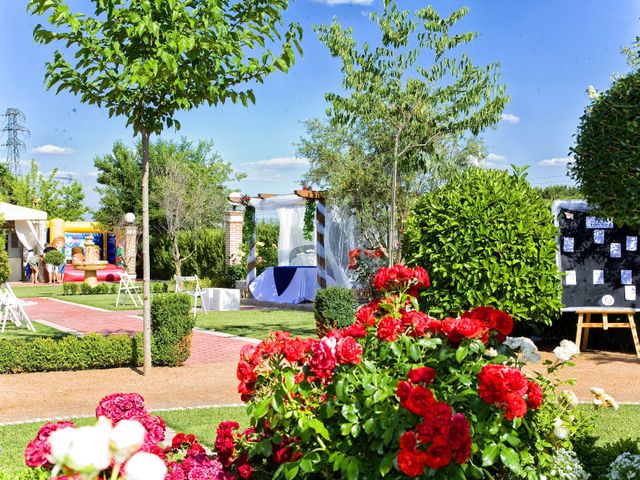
[[310, 194]]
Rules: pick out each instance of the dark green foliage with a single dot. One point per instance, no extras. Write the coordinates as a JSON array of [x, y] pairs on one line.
[[171, 326], [486, 238], [606, 153], [54, 257], [334, 307], [560, 192], [86, 289], [159, 287], [70, 288], [596, 459], [69, 353], [267, 234], [4, 260]]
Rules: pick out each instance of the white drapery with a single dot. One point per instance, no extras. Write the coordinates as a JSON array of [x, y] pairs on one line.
[[293, 248], [31, 234]]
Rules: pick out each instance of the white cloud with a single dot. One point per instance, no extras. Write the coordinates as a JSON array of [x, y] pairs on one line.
[[510, 118], [346, 2], [278, 168], [494, 157], [53, 150], [556, 162], [278, 162]]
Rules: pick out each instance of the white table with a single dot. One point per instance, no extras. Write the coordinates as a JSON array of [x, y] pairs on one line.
[[221, 299], [301, 288]]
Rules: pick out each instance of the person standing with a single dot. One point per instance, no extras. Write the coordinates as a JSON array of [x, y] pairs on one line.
[[33, 261], [58, 243]]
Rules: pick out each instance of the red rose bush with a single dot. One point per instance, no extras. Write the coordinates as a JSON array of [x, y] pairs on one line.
[[397, 394]]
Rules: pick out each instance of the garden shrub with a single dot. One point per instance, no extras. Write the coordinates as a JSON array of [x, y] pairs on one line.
[[172, 323], [487, 238], [54, 257], [69, 353], [86, 289], [4, 259], [70, 288], [597, 459], [333, 307], [27, 474]]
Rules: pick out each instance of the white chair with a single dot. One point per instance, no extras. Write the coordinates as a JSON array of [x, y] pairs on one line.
[[127, 287], [195, 293], [13, 309]]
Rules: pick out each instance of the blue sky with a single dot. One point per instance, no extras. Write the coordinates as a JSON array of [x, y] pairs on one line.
[[550, 51]]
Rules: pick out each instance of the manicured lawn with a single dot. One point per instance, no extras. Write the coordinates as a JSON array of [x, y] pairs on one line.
[[259, 323], [201, 422], [106, 301], [612, 425], [42, 331], [40, 290]]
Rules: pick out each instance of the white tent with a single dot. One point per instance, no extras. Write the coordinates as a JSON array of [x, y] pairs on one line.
[[30, 224]]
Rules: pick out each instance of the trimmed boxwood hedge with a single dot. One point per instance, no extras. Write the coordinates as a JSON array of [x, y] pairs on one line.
[[333, 307], [171, 330]]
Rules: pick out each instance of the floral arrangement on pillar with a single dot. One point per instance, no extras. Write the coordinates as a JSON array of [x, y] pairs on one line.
[[249, 225]]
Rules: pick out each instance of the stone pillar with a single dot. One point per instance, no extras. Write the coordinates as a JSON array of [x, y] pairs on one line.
[[233, 222], [130, 248]]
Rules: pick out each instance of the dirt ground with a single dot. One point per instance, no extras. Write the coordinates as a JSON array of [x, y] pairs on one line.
[[33, 396], [30, 396]]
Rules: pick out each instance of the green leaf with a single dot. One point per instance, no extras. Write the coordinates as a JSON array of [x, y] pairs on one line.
[[489, 454], [510, 459], [461, 353]]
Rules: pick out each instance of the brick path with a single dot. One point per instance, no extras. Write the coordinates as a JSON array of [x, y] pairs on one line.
[[206, 347]]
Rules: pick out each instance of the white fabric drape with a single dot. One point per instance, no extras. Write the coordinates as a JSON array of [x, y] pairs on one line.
[[293, 248], [339, 239], [31, 234]]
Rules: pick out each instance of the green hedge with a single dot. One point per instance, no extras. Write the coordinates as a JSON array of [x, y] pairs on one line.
[[333, 307], [171, 326], [73, 288], [4, 259], [70, 353], [171, 323], [486, 238], [27, 474]]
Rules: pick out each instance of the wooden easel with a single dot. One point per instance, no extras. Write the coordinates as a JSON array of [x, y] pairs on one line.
[[582, 334]]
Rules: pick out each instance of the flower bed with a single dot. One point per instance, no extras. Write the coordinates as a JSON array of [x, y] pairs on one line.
[[397, 394]]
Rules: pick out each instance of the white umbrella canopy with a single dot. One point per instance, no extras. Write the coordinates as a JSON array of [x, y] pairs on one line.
[[30, 224], [11, 213]]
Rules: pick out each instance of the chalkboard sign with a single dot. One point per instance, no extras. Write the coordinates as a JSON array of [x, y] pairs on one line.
[[601, 261]]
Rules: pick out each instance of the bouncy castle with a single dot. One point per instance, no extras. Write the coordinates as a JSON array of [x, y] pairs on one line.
[[74, 235]]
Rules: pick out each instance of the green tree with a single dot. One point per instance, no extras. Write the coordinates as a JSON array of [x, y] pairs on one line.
[[350, 165], [413, 102], [192, 196], [35, 190], [607, 159], [146, 60], [4, 257], [560, 192], [487, 238]]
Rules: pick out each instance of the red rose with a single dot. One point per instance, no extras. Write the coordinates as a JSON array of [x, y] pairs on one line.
[[422, 375], [294, 349], [420, 399], [470, 328], [460, 438], [357, 330], [437, 420], [448, 327], [504, 323], [515, 381], [365, 315], [534, 395], [402, 391], [424, 325], [245, 372], [323, 357], [389, 328], [348, 351], [422, 278], [438, 454], [408, 440], [411, 463], [515, 406]]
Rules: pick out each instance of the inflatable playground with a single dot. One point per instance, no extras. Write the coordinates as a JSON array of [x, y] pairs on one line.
[[74, 235]]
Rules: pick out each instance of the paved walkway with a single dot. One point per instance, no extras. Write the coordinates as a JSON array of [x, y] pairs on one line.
[[206, 346]]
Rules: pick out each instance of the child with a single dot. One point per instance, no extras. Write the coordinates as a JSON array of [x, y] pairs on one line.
[[34, 263]]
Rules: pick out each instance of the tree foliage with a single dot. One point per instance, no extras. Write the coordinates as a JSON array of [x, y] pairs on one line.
[[45, 192], [5, 271], [560, 192], [145, 60], [607, 158], [412, 89], [487, 238]]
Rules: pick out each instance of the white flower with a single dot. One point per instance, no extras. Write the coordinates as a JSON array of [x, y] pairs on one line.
[[569, 397], [145, 466], [566, 351], [592, 92], [526, 346], [560, 430], [126, 438], [491, 352], [603, 399], [60, 441], [88, 451]]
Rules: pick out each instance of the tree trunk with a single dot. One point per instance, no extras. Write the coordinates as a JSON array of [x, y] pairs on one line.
[[392, 220], [177, 260], [146, 263]]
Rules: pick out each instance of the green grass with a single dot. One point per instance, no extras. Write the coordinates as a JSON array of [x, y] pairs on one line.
[[201, 422], [42, 331], [614, 425], [40, 290], [106, 301], [259, 323]]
